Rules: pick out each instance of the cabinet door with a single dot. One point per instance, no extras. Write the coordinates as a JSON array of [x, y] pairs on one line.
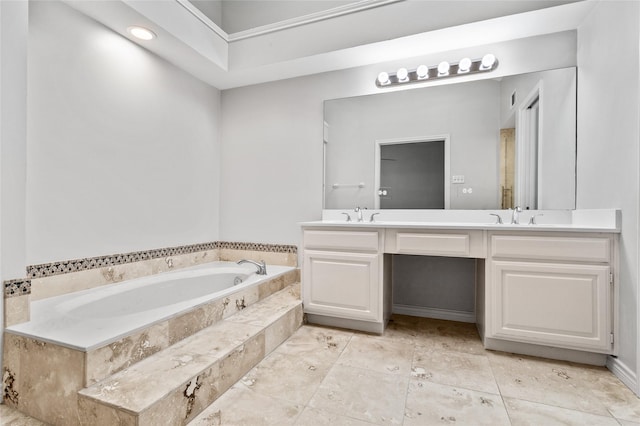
[[564, 305], [343, 285]]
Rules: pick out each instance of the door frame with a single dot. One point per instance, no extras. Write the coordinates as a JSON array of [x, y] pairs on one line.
[[527, 181], [414, 139]]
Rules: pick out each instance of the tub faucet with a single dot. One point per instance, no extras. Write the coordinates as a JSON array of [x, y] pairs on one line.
[[515, 215], [358, 211], [262, 267]]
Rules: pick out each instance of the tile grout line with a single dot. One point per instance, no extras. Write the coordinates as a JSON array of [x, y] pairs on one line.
[[495, 380], [406, 393], [333, 364]]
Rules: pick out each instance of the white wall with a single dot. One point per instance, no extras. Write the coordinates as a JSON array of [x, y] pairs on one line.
[[13, 136], [272, 136], [123, 151], [608, 136], [469, 113]]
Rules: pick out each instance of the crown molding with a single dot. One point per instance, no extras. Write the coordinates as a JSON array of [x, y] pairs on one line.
[[335, 12]]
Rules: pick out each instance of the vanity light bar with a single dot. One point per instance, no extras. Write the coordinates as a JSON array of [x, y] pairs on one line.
[[444, 69]]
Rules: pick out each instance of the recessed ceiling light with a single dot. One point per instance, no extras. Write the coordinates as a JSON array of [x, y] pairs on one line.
[[141, 33]]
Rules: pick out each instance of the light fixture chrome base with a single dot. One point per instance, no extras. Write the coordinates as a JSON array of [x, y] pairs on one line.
[[423, 74]]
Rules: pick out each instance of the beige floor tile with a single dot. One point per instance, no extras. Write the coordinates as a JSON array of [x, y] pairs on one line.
[[11, 417], [362, 394], [453, 368], [621, 402], [627, 423], [313, 417], [240, 406], [316, 344], [406, 329], [544, 381], [376, 354], [460, 337], [440, 334], [435, 404], [287, 377], [525, 413]]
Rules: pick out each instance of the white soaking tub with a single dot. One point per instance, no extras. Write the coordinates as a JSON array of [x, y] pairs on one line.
[[88, 319]]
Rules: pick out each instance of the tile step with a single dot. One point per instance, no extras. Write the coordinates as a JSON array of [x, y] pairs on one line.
[[175, 385], [107, 360]]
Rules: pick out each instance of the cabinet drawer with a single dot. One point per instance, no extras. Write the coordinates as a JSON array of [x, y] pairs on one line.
[[587, 249], [342, 240], [432, 244], [456, 243]]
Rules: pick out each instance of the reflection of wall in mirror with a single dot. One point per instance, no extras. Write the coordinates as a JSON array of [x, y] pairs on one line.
[[557, 138], [468, 113]]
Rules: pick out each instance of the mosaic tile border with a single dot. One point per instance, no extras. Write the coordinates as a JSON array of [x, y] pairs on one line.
[[76, 265], [67, 266], [19, 287], [274, 248]]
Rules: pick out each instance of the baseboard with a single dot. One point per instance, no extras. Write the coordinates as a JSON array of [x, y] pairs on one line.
[[349, 324], [548, 352], [624, 373], [443, 314]]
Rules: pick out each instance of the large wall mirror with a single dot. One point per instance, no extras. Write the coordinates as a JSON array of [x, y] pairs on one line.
[[486, 144]]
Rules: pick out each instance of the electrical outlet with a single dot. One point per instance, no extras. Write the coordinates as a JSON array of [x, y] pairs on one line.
[[457, 179]]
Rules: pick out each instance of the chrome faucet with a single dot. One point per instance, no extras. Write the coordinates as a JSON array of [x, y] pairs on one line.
[[532, 220], [498, 218], [262, 267], [515, 215], [358, 211]]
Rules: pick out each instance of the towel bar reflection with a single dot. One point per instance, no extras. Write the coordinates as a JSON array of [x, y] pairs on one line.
[[347, 185]]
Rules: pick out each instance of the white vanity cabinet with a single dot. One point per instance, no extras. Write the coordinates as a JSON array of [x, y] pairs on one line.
[[553, 289], [343, 280], [540, 289]]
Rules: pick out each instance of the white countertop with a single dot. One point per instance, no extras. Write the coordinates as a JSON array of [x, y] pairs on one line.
[[549, 220]]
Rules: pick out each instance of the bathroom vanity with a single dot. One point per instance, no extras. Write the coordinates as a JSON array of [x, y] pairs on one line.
[[539, 287]]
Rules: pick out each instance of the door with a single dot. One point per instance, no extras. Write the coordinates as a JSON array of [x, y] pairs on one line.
[[342, 285], [412, 175], [564, 305]]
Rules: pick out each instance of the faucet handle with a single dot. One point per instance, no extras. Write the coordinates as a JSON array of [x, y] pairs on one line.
[[372, 216], [498, 218], [532, 219], [348, 217]]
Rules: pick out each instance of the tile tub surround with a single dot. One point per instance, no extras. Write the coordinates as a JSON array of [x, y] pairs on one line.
[[53, 279], [43, 380]]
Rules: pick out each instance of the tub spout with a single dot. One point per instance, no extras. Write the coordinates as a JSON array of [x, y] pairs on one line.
[[262, 267]]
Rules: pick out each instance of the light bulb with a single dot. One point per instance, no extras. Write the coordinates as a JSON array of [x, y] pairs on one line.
[[487, 61], [422, 72], [402, 74], [383, 78], [141, 33], [443, 68], [464, 65]]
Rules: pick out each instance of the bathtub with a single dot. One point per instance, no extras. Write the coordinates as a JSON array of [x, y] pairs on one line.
[[92, 318]]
